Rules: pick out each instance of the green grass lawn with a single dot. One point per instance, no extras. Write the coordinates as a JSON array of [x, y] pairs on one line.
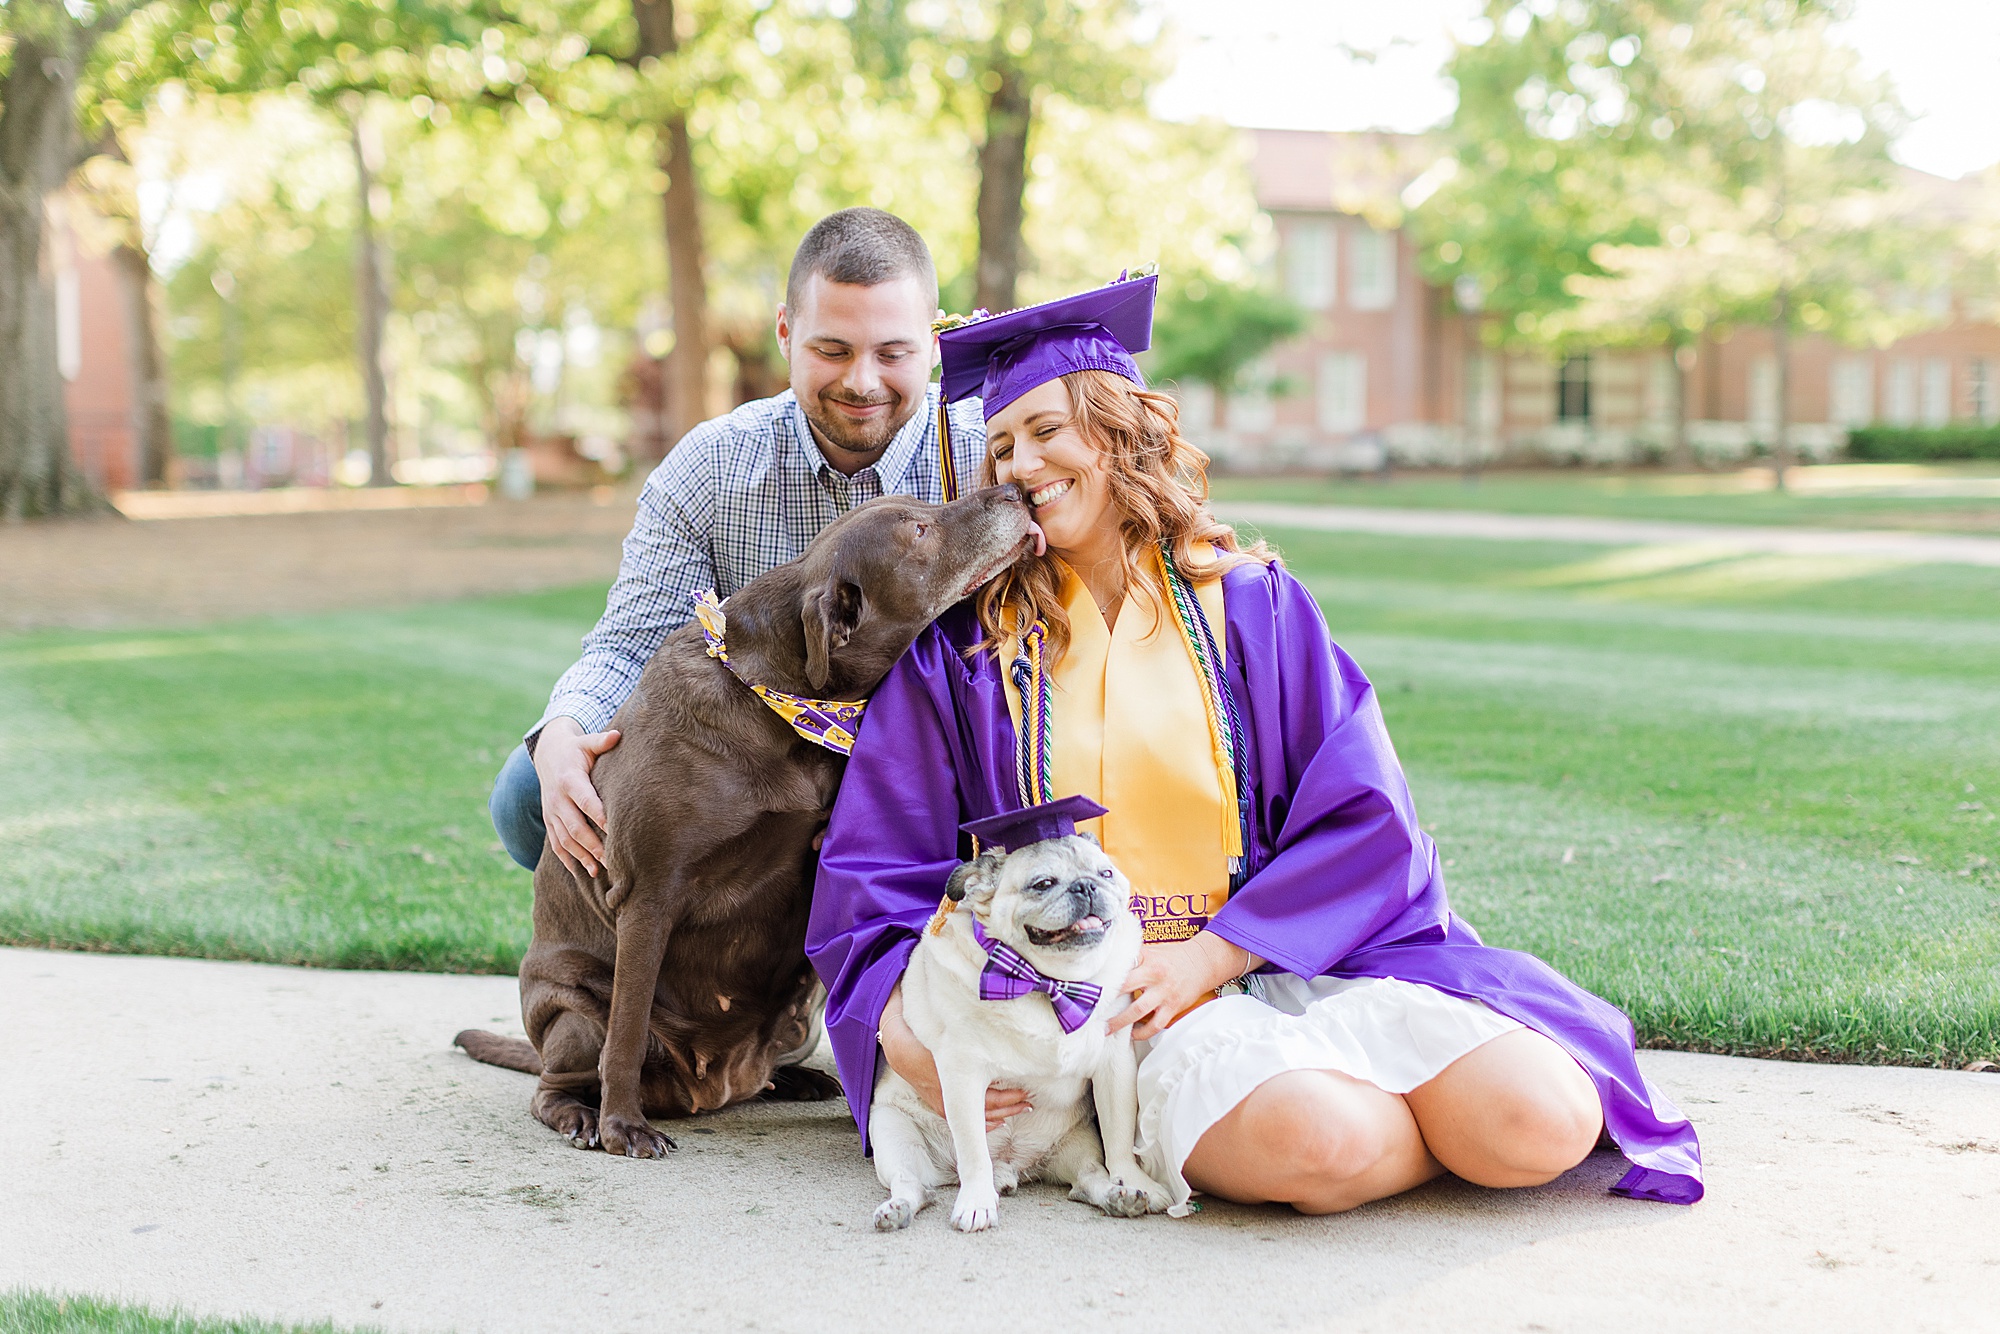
[[307, 790], [1752, 800], [1946, 497], [39, 1313]]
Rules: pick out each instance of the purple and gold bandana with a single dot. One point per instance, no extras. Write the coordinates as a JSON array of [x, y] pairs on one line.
[[824, 722]]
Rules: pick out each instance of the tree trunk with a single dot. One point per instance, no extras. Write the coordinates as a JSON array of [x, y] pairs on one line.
[[687, 282], [38, 474], [371, 301], [1781, 327], [1683, 449], [234, 439], [1003, 180], [687, 363], [149, 367], [1781, 351]]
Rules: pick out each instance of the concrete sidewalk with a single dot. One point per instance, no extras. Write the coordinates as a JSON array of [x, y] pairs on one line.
[[250, 1140], [1893, 545]]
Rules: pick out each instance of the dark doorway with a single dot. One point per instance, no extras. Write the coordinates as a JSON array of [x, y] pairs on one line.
[[1573, 390]]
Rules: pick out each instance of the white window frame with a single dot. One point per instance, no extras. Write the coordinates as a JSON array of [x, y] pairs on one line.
[[1371, 268], [1763, 397], [1341, 392], [1937, 392], [1851, 392], [1982, 393], [69, 323], [1899, 393], [1311, 262]]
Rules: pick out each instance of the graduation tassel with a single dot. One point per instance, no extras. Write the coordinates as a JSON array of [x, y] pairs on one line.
[[1034, 763], [949, 464]]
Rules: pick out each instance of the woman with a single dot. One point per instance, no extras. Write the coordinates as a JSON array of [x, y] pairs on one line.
[[1369, 1041]]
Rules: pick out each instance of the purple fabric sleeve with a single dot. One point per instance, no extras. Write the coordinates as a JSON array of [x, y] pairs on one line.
[[1349, 863], [890, 845]]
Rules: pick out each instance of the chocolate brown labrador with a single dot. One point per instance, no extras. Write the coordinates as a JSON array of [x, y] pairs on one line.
[[675, 981]]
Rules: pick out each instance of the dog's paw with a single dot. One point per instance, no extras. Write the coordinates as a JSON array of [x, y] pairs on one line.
[[1006, 1178], [894, 1215], [975, 1212], [634, 1139], [801, 1083], [1156, 1196], [1123, 1201], [578, 1125]]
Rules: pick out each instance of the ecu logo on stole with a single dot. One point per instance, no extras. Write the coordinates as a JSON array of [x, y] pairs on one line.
[[1168, 917]]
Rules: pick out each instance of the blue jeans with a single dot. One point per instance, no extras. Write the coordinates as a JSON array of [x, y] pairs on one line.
[[516, 807]]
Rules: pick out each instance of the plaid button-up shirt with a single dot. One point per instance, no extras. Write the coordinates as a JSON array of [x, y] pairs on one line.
[[739, 495]]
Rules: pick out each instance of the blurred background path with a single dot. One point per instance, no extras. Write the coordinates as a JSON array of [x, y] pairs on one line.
[[110, 572], [1916, 548]]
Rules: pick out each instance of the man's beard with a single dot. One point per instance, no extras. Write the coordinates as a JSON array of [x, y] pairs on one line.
[[852, 437]]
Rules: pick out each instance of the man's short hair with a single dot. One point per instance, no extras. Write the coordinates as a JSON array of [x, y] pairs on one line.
[[863, 246]]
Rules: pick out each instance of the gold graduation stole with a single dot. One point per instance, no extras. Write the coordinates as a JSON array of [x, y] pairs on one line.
[[1149, 730]]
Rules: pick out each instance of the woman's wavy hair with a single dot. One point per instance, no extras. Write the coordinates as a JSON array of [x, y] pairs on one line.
[[1159, 490]]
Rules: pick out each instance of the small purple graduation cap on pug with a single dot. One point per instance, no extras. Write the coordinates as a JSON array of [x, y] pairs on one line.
[[1017, 829], [1002, 357]]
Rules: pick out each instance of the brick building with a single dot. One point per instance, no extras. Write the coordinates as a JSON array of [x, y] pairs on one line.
[[96, 347], [1390, 366]]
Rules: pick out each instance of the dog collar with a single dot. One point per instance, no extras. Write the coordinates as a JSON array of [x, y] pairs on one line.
[[830, 723], [1008, 976]]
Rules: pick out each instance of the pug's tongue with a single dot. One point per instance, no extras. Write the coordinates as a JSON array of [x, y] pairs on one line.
[[1092, 923], [1041, 542]]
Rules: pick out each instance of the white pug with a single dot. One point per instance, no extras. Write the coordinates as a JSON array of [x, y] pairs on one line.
[[1061, 908]]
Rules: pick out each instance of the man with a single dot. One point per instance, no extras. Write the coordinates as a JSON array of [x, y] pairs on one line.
[[744, 493]]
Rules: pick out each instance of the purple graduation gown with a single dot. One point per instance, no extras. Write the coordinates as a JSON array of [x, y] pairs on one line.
[[1342, 880]]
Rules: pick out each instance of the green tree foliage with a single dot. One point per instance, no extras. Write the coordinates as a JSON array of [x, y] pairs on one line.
[[498, 242], [1211, 332], [1641, 172], [998, 69], [1540, 156], [518, 197]]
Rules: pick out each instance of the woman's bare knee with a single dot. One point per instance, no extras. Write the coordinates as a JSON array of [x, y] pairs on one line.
[[1319, 1142], [1332, 1156], [1538, 1135], [1347, 1142], [1515, 1112]]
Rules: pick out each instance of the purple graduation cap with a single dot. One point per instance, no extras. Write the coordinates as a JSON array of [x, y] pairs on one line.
[[1017, 829], [1002, 357]]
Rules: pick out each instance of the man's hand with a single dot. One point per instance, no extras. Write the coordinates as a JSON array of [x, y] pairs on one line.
[[571, 811], [1173, 975], [910, 1058]]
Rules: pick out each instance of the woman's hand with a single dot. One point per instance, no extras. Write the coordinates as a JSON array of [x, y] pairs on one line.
[[910, 1058], [1173, 975]]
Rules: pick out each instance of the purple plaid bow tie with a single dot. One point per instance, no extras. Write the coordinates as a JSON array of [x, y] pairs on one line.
[[1007, 975]]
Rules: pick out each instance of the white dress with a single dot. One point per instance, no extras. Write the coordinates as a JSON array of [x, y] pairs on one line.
[[1393, 1034]]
